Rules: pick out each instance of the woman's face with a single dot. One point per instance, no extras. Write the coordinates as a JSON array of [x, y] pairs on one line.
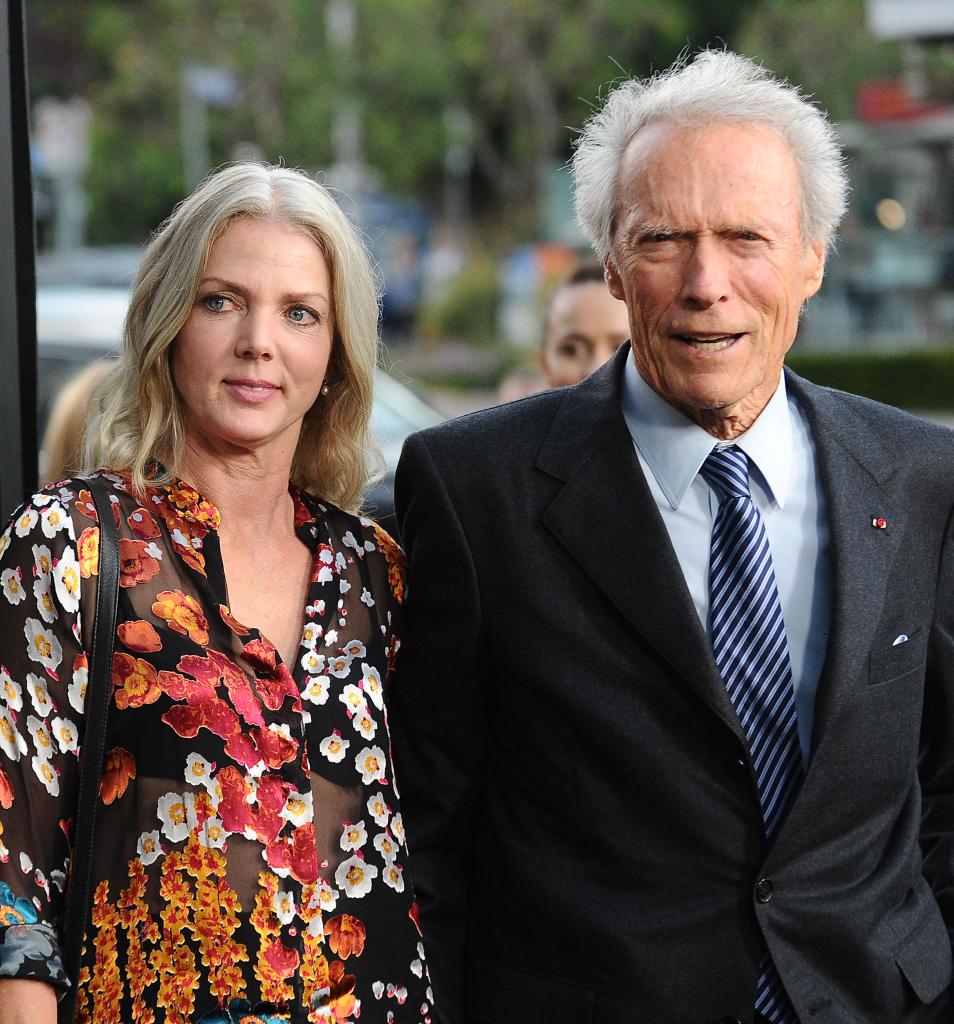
[[250, 360]]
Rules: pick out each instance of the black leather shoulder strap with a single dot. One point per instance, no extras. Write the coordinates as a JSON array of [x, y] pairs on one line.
[[98, 691]]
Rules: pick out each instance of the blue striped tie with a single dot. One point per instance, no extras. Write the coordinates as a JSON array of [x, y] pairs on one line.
[[751, 650]]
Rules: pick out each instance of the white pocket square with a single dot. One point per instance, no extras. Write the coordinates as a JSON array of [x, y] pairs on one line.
[[902, 639]]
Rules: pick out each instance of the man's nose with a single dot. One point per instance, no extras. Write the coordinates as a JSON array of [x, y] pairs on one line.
[[254, 340], [706, 277]]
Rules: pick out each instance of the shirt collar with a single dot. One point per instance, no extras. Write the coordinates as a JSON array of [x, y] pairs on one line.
[[675, 448]]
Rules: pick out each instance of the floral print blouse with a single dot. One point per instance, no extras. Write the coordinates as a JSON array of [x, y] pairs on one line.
[[250, 856]]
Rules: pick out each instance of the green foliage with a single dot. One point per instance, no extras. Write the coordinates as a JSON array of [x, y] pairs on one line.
[[468, 311], [920, 379]]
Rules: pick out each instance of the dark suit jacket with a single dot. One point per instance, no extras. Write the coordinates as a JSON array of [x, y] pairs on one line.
[[584, 825]]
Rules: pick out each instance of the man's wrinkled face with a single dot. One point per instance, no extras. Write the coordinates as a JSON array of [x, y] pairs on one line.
[[707, 253]]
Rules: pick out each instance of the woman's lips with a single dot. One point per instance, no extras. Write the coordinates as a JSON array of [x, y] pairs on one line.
[[254, 392]]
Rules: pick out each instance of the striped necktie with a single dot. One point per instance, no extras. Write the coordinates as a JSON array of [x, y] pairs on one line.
[[751, 650]]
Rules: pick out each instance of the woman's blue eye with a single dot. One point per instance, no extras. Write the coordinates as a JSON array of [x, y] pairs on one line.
[[301, 315], [215, 302]]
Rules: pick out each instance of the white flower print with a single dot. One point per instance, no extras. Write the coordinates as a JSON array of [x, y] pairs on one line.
[[198, 770], [39, 695], [46, 773], [153, 549], [66, 579], [417, 968], [341, 563], [12, 584], [339, 666], [353, 837], [354, 876], [343, 587], [393, 875], [28, 519], [386, 846], [378, 989], [177, 812], [310, 636], [372, 686], [366, 597], [11, 693], [43, 593], [76, 691], [350, 541], [365, 724], [355, 649], [40, 735], [298, 808], [26, 865], [378, 809], [352, 698], [66, 734], [334, 747], [327, 896], [4, 541], [397, 828], [42, 560], [149, 847], [11, 742], [213, 834], [331, 637], [370, 764], [283, 903], [317, 690], [52, 519], [42, 645]]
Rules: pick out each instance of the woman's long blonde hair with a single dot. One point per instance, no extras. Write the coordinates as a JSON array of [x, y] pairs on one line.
[[137, 418]]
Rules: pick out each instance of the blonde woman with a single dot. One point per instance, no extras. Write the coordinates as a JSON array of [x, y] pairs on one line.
[[249, 862]]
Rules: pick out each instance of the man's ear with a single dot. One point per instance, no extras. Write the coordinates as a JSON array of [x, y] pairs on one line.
[[814, 269], [613, 281]]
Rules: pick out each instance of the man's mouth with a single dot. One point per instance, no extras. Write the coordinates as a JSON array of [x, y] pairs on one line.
[[708, 342]]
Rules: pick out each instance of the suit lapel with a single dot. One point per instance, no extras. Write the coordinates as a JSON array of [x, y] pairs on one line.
[[856, 472], [607, 520]]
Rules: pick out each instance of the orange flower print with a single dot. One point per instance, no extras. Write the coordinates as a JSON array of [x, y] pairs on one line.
[[143, 525], [139, 635], [346, 935], [341, 1000], [237, 628], [6, 791], [136, 563], [188, 500], [84, 505], [395, 559], [183, 614], [119, 767], [88, 548], [135, 680]]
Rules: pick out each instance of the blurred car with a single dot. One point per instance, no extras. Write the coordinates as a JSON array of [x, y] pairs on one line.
[[78, 323]]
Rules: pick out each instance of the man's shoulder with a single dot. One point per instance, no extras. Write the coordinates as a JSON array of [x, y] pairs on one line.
[[509, 429]]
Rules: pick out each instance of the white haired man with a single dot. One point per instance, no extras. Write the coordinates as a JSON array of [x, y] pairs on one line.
[[675, 717]]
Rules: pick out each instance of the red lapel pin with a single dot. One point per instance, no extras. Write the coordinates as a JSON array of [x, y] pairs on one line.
[[879, 523]]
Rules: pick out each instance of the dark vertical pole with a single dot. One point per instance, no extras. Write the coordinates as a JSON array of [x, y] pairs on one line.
[[18, 441]]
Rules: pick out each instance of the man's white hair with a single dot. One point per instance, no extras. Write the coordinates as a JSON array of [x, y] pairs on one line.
[[715, 87]]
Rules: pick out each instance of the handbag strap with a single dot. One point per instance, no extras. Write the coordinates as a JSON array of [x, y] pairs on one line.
[[99, 687]]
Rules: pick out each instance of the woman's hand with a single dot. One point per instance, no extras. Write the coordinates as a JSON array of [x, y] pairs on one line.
[[27, 1002]]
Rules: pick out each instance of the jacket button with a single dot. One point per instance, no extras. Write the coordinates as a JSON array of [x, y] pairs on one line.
[[729, 1020], [739, 767], [764, 890]]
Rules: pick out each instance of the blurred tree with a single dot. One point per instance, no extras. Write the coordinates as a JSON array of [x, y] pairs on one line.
[[523, 69]]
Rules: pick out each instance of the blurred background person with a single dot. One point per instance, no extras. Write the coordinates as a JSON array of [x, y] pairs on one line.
[[61, 453], [583, 327]]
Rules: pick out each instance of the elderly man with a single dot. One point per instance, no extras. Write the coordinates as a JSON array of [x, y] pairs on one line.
[[675, 715]]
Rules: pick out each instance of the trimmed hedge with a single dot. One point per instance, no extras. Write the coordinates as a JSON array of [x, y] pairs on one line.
[[921, 379]]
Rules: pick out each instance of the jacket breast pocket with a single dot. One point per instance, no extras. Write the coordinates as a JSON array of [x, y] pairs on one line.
[[494, 994], [900, 659]]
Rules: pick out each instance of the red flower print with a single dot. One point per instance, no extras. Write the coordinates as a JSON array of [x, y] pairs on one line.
[[415, 915], [135, 681], [281, 959], [119, 766], [178, 687], [275, 682], [185, 719], [297, 852], [302, 512], [88, 549], [346, 935], [237, 628], [216, 669], [84, 505], [234, 809], [274, 748], [183, 614], [142, 524], [135, 565], [139, 635], [6, 791]]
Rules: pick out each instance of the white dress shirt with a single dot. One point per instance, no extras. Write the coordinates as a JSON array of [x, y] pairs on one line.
[[784, 481]]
